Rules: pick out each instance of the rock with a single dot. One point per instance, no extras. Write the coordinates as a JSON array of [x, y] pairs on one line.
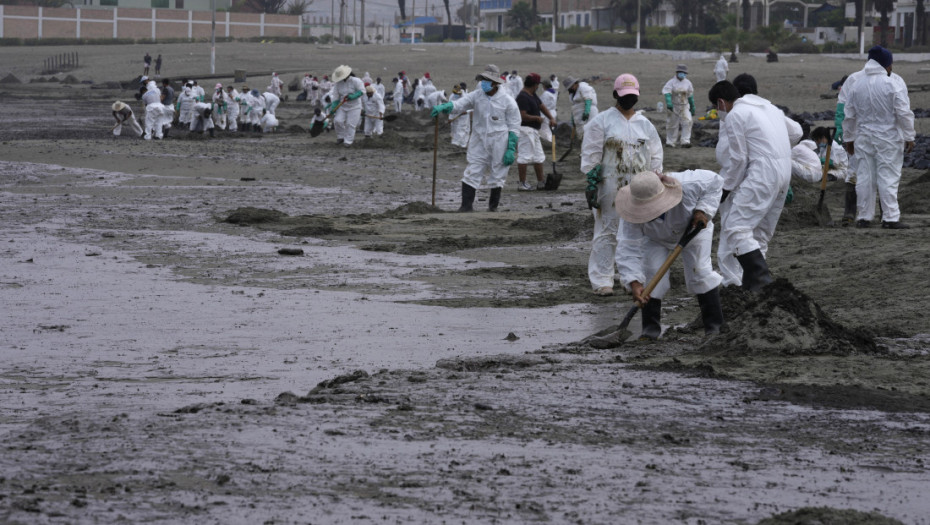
[[291, 251], [511, 337], [243, 216]]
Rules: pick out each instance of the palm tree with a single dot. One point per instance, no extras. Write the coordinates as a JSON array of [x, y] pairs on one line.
[[884, 7]]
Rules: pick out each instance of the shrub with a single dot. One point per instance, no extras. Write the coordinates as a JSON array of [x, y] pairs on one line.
[[696, 42]]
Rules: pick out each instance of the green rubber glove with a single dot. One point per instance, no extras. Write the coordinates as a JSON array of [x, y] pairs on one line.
[[590, 192], [332, 106], [790, 196], [511, 154], [587, 110], [838, 122], [691, 103], [668, 101], [353, 96], [445, 107]]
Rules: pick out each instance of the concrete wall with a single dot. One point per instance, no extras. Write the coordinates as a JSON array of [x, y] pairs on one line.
[[36, 22]]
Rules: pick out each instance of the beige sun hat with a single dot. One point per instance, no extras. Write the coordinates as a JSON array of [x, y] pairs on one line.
[[646, 197], [341, 73], [492, 73], [118, 106], [569, 82]]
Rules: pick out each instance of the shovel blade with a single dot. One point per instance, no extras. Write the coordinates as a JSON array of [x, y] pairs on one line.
[[317, 128], [553, 180], [389, 118], [822, 216]]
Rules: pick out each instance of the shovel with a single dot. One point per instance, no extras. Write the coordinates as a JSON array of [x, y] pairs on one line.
[[555, 178], [821, 212], [571, 144], [386, 118], [319, 125], [617, 337]]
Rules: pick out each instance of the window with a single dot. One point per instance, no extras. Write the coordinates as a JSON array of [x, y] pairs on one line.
[[160, 4], [563, 21], [179, 4], [112, 3], [578, 19], [587, 19]]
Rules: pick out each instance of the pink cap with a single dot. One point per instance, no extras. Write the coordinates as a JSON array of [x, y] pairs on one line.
[[218, 86], [626, 84]]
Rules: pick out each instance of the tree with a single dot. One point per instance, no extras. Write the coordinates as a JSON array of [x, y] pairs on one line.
[[298, 7], [468, 13], [521, 17], [403, 13], [884, 7], [773, 34], [695, 15], [261, 6]]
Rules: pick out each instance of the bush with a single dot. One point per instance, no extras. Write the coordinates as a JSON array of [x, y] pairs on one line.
[[696, 42], [11, 41], [837, 47], [490, 36], [795, 45]]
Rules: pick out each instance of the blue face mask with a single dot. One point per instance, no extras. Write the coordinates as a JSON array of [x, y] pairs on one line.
[[681, 76], [487, 86]]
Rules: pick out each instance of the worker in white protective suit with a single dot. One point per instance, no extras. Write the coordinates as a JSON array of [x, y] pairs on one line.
[[493, 144], [679, 103], [755, 159], [232, 106], [348, 89], [549, 98], [276, 84], [245, 123], [270, 102], [398, 95], [198, 92], [185, 105], [156, 115], [366, 78], [461, 121], [269, 122], [123, 115], [252, 107], [618, 143], [879, 130], [374, 112], [721, 68], [306, 85], [656, 211], [435, 98], [326, 85], [805, 161], [379, 87], [220, 107], [202, 118], [584, 103], [515, 83], [839, 169]]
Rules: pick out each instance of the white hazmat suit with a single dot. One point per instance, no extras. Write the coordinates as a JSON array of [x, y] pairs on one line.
[[374, 107], [583, 93], [157, 115], [350, 112], [232, 107], [805, 163], [644, 247], [878, 122], [461, 124], [721, 68], [550, 99], [755, 156], [493, 119], [678, 119], [623, 148]]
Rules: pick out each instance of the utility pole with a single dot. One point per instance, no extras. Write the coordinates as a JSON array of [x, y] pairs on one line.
[[213, 38], [363, 20], [354, 23], [332, 17], [413, 23], [342, 21], [639, 21]]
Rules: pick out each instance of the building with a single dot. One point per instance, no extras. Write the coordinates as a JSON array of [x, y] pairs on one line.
[[189, 5]]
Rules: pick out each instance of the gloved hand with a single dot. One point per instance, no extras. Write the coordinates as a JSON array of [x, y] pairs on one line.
[[831, 163], [353, 96], [668, 101], [691, 104], [445, 107], [332, 106], [587, 111], [590, 193], [511, 153], [838, 118], [789, 196]]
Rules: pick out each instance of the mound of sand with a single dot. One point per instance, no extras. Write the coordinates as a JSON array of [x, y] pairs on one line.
[[411, 121], [782, 321], [70, 79], [10, 79], [412, 208], [915, 196], [246, 216], [828, 516]]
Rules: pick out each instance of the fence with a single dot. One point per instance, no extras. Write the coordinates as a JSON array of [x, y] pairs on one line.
[[30, 22], [61, 62]]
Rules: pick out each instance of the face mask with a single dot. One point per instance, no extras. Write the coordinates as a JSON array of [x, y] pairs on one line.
[[822, 150], [487, 86], [627, 102], [721, 112], [681, 76]]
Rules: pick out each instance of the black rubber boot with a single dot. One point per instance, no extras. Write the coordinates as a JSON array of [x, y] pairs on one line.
[[495, 199], [652, 314], [755, 271], [212, 135], [468, 198], [849, 210], [711, 311]]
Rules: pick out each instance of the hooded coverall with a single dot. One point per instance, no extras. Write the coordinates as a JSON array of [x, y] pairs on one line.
[[493, 119], [220, 109], [461, 127], [755, 159], [233, 108], [185, 105], [623, 148], [515, 84], [350, 112], [550, 99], [198, 121], [721, 68], [270, 102], [583, 93], [878, 121], [805, 163], [156, 115], [374, 107], [644, 247], [398, 96], [679, 119], [127, 117], [276, 84]]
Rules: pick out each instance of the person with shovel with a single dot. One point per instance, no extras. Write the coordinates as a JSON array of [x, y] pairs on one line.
[[656, 210], [618, 143], [347, 106], [374, 112], [529, 148], [123, 115], [493, 144], [755, 157]]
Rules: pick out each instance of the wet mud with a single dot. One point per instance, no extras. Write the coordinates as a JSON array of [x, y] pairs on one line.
[[275, 327]]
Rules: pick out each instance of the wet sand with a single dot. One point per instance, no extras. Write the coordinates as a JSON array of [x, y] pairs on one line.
[[161, 363]]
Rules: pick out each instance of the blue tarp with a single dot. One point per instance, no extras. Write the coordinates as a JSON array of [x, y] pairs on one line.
[[420, 21]]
